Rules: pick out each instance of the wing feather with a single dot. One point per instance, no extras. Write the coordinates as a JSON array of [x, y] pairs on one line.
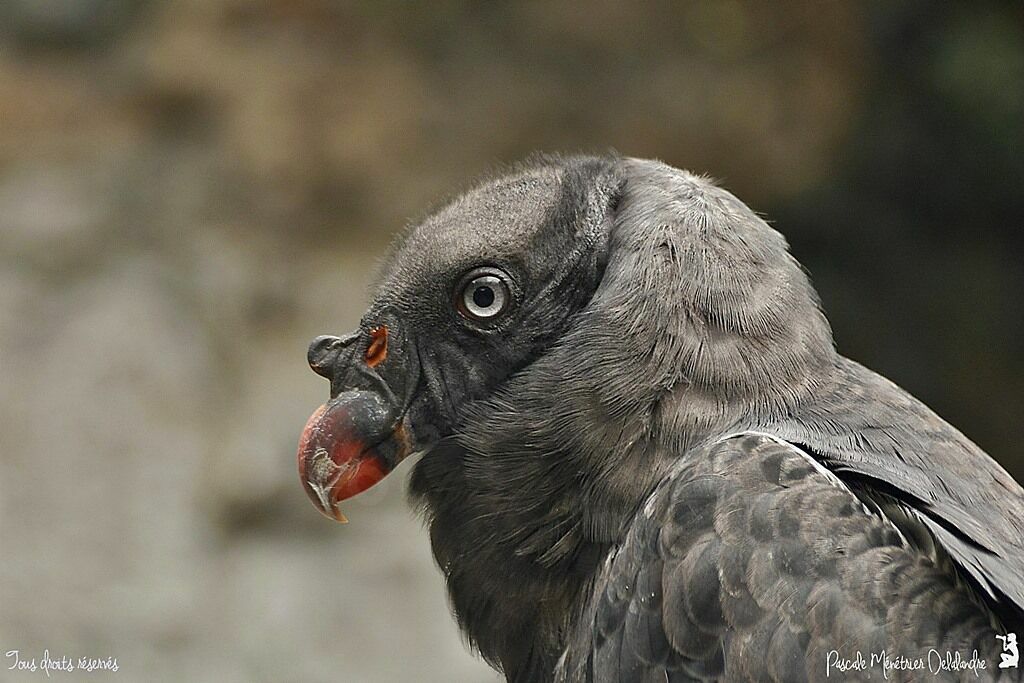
[[751, 562]]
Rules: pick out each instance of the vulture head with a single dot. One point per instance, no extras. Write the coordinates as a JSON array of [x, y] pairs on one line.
[[557, 340], [558, 306]]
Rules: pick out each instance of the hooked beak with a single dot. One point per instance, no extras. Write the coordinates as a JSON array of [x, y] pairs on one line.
[[358, 437], [349, 444]]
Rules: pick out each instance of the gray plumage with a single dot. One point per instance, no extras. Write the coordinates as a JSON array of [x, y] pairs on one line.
[[589, 509], [748, 563]]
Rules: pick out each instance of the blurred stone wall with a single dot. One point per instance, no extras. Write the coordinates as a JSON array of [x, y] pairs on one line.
[[191, 190]]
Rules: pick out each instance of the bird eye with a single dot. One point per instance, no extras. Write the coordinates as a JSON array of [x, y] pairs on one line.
[[484, 295]]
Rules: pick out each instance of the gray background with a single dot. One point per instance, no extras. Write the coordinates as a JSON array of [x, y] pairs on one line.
[[191, 190]]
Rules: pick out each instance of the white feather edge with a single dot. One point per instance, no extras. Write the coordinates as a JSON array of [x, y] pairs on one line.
[[830, 476]]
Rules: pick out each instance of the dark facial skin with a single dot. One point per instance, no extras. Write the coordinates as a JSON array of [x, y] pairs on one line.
[[457, 313]]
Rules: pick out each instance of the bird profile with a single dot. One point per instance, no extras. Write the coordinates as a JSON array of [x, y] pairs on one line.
[[642, 457]]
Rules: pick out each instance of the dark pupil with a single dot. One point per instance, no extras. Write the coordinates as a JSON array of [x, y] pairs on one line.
[[483, 296]]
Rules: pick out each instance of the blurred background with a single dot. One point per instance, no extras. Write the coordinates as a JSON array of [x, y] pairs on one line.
[[191, 190]]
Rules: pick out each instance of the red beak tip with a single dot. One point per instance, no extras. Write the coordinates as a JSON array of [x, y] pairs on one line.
[[333, 459]]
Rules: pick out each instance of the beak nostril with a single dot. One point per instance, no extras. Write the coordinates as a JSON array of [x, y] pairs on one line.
[[377, 351]]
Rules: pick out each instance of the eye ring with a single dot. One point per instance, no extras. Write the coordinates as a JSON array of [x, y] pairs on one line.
[[484, 295]]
